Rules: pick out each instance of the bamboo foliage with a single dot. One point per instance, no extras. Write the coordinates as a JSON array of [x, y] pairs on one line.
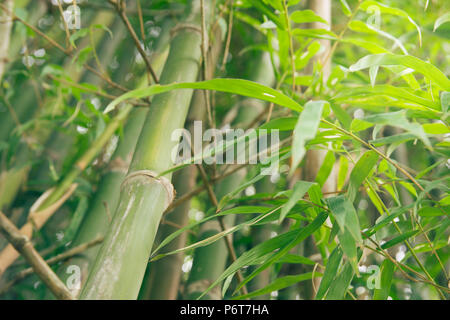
[[356, 91]]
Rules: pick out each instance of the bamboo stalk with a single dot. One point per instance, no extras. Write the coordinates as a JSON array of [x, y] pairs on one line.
[[163, 276], [5, 34], [120, 265], [98, 217]]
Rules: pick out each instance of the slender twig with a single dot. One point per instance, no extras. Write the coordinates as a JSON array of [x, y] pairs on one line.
[[406, 242], [400, 266], [204, 47], [229, 32], [141, 20], [58, 258], [66, 27], [23, 245], [36, 30], [291, 44], [65, 51], [120, 7]]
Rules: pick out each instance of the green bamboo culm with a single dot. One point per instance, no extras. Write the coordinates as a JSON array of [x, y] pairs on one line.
[[98, 217], [120, 265]]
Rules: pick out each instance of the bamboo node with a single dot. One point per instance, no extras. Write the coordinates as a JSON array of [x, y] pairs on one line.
[[149, 174], [182, 26]]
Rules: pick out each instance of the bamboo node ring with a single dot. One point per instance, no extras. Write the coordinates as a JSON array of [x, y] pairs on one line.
[[152, 175], [182, 26]]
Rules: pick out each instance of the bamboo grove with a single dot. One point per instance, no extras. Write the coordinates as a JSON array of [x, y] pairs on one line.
[[347, 198]]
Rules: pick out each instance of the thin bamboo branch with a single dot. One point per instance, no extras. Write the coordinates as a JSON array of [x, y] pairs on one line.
[[120, 7], [22, 244], [53, 260]]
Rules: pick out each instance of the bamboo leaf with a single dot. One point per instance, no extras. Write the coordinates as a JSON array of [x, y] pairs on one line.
[[306, 129], [413, 99], [330, 272], [292, 258], [360, 172], [235, 86], [387, 272], [399, 119], [441, 20], [315, 33], [345, 215], [399, 239], [299, 190], [445, 101], [339, 286], [345, 8], [285, 241], [348, 245], [301, 235], [388, 59], [306, 16], [325, 168], [394, 11], [278, 284]]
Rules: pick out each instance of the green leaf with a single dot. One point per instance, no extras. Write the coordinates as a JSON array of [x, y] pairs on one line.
[[445, 101], [388, 59], [235, 210], [360, 125], [342, 175], [399, 119], [441, 20], [346, 8], [339, 286], [348, 245], [360, 26], [278, 284], [306, 129], [345, 215], [433, 211], [399, 239], [387, 272], [326, 168], [267, 11], [416, 101], [306, 16], [77, 35], [229, 196], [315, 33], [235, 86], [285, 242], [330, 272], [299, 190], [301, 235], [282, 124], [394, 11], [435, 128], [398, 138], [292, 258], [360, 172]]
